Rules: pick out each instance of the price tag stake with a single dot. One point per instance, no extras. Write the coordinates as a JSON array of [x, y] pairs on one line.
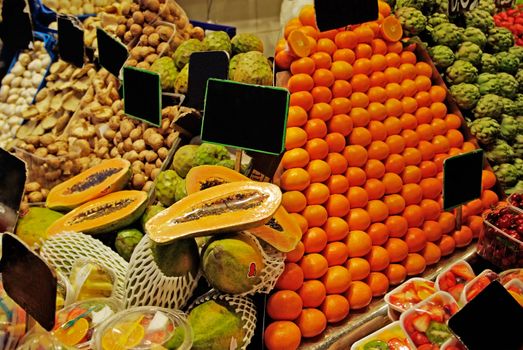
[[334, 14], [13, 175], [142, 95], [71, 40], [111, 52]]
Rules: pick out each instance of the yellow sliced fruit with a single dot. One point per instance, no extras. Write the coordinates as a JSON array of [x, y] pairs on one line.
[[123, 336], [74, 334], [299, 44]]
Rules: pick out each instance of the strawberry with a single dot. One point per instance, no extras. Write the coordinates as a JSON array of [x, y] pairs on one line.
[[456, 291], [421, 323], [437, 313], [419, 338], [462, 271]]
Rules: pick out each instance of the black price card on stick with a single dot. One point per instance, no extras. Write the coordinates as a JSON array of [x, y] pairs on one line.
[[13, 174], [461, 6], [202, 66], [112, 53], [28, 280], [142, 95], [248, 117], [16, 23], [462, 178], [505, 4], [334, 14], [71, 40]]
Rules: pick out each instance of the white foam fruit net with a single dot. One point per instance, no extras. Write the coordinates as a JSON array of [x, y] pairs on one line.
[[63, 250], [242, 306], [147, 285]]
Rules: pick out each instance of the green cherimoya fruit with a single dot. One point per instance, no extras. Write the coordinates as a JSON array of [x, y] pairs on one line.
[[518, 51], [178, 258], [480, 19], [500, 152], [33, 224], [183, 159], [488, 6], [412, 20], [181, 190], [245, 42], [447, 34], [507, 62], [436, 19], [509, 127], [233, 63], [507, 174], [486, 130], [165, 187], [476, 36], [210, 154], [489, 63], [470, 52], [488, 83], [181, 84], [166, 68], [228, 163], [253, 68], [218, 41], [126, 241], [438, 332], [489, 106], [508, 85], [499, 39], [442, 56], [149, 213], [465, 95], [184, 51], [461, 72]]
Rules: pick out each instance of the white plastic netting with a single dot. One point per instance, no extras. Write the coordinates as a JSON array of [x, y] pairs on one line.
[[147, 285], [63, 250]]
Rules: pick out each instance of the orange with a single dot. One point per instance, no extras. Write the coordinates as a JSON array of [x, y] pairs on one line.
[[321, 94], [319, 170], [408, 121], [317, 148], [377, 130], [394, 90], [359, 295], [408, 57], [314, 240], [397, 226], [441, 144], [414, 263], [395, 47], [379, 47], [315, 128], [336, 253], [337, 163], [378, 283], [360, 83], [377, 111], [307, 16], [377, 210], [455, 138], [341, 105], [431, 209], [393, 75], [304, 65], [475, 223], [358, 219], [397, 249], [300, 82], [412, 156], [359, 268], [463, 237], [326, 45], [391, 29], [330, 34], [489, 199], [378, 62], [346, 55], [312, 322], [393, 59], [357, 196], [468, 146], [438, 109], [335, 141], [323, 77], [411, 138], [342, 70], [321, 60], [346, 40], [424, 115], [358, 243], [296, 116], [316, 215], [283, 59], [312, 293], [365, 34], [396, 274], [428, 169], [356, 155], [453, 121], [426, 149], [395, 203], [423, 68], [394, 107], [303, 99], [409, 104], [409, 89], [284, 305], [363, 51], [337, 205], [415, 239], [414, 215], [447, 245], [378, 79], [294, 201], [335, 307], [359, 100], [314, 266], [439, 159], [411, 175], [338, 184], [392, 183], [375, 188], [360, 116], [384, 8], [425, 132], [317, 193], [337, 279], [340, 123], [377, 94], [360, 136], [295, 158], [431, 253], [431, 188], [341, 88], [282, 335], [432, 230], [423, 83], [295, 137], [474, 207], [437, 93], [378, 258], [356, 176], [363, 66], [447, 222], [393, 125], [297, 253], [291, 277], [395, 164], [294, 179], [378, 150], [408, 70], [396, 144], [423, 98], [374, 169], [488, 179], [378, 233]]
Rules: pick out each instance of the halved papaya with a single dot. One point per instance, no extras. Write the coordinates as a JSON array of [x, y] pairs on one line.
[[229, 207], [109, 213], [282, 232], [109, 176]]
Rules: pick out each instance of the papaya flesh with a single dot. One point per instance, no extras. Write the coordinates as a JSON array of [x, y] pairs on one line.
[[109, 213], [281, 231], [229, 207], [109, 176]]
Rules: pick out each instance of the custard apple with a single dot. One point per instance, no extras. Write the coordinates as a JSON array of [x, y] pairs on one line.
[[210, 154], [166, 68], [183, 159], [218, 41], [233, 63], [165, 187], [253, 68], [181, 84], [184, 51], [181, 190], [245, 42]]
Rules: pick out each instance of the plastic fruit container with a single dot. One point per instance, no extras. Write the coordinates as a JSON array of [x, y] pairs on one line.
[[390, 337], [76, 323], [409, 294], [454, 278], [90, 279], [515, 288], [64, 291], [453, 344], [144, 328], [426, 323], [39, 339], [516, 202], [508, 275], [474, 287], [12, 321]]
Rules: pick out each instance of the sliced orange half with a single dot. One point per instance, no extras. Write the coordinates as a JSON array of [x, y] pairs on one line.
[[391, 29], [299, 44], [73, 335]]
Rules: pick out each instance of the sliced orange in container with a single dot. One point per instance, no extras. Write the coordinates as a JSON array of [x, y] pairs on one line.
[[74, 334], [299, 44], [391, 29]]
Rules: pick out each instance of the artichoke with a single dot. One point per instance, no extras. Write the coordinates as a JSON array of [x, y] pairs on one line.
[[442, 56], [509, 127], [486, 130], [480, 19], [447, 34], [499, 39], [508, 85], [507, 174], [510, 107], [518, 163], [461, 72], [441, 6], [417, 4], [465, 95], [519, 108], [518, 147], [518, 51], [487, 5], [489, 106], [489, 63], [507, 62], [475, 35], [470, 52], [519, 78], [437, 19], [518, 187], [412, 20], [500, 152], [488, 84]]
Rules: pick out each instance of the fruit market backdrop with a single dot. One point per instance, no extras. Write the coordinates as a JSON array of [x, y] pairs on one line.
[[374, 111]]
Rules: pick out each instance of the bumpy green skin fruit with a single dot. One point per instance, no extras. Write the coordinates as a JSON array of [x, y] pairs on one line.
[[178, 258], [183, 159], [488, 6], [507, 174], [181, 84], [518, 163], [518, 51], [31, 227], [489, 106], [480, 19], [516, 189], [488, 83], [412, 20], [218, 41], [184, 51], [509, 107], [233, 63], [437, 19], [210, 154], [228, 163], [181, 191], [508, 62], [441, 6], [149, 213], [417, 4], [126, 241], [442, 56], [447, 34], [461, 72], [499, 39], [508, 85], [518, 148], [245, 42], [476, 36], [519, 78], [486, 130], [465, 95], [489, 63], [166, 187], [500, 152], [470, 52], [509, 127], [253, 68], [166, 68]]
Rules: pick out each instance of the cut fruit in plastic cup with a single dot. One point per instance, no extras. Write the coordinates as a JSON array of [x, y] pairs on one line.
[[73, 334], [388, 337], [391, 29], [409, 294], [299, 44], [124, 336]]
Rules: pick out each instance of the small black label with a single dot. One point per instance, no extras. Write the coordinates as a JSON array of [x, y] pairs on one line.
[[16, 24], [462, 178], [505, 4], [112, 54], [71, 40], [13, 175], [142, 95], [334, 14], [461, 6]]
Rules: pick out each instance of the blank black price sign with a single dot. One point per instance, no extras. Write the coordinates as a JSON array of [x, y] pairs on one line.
[[13, 175], [461, 6], [71, 40], [249, 117], [334, 14], [16, 23], [111, 52], [504, 4], [142, 95], [462, 178]]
